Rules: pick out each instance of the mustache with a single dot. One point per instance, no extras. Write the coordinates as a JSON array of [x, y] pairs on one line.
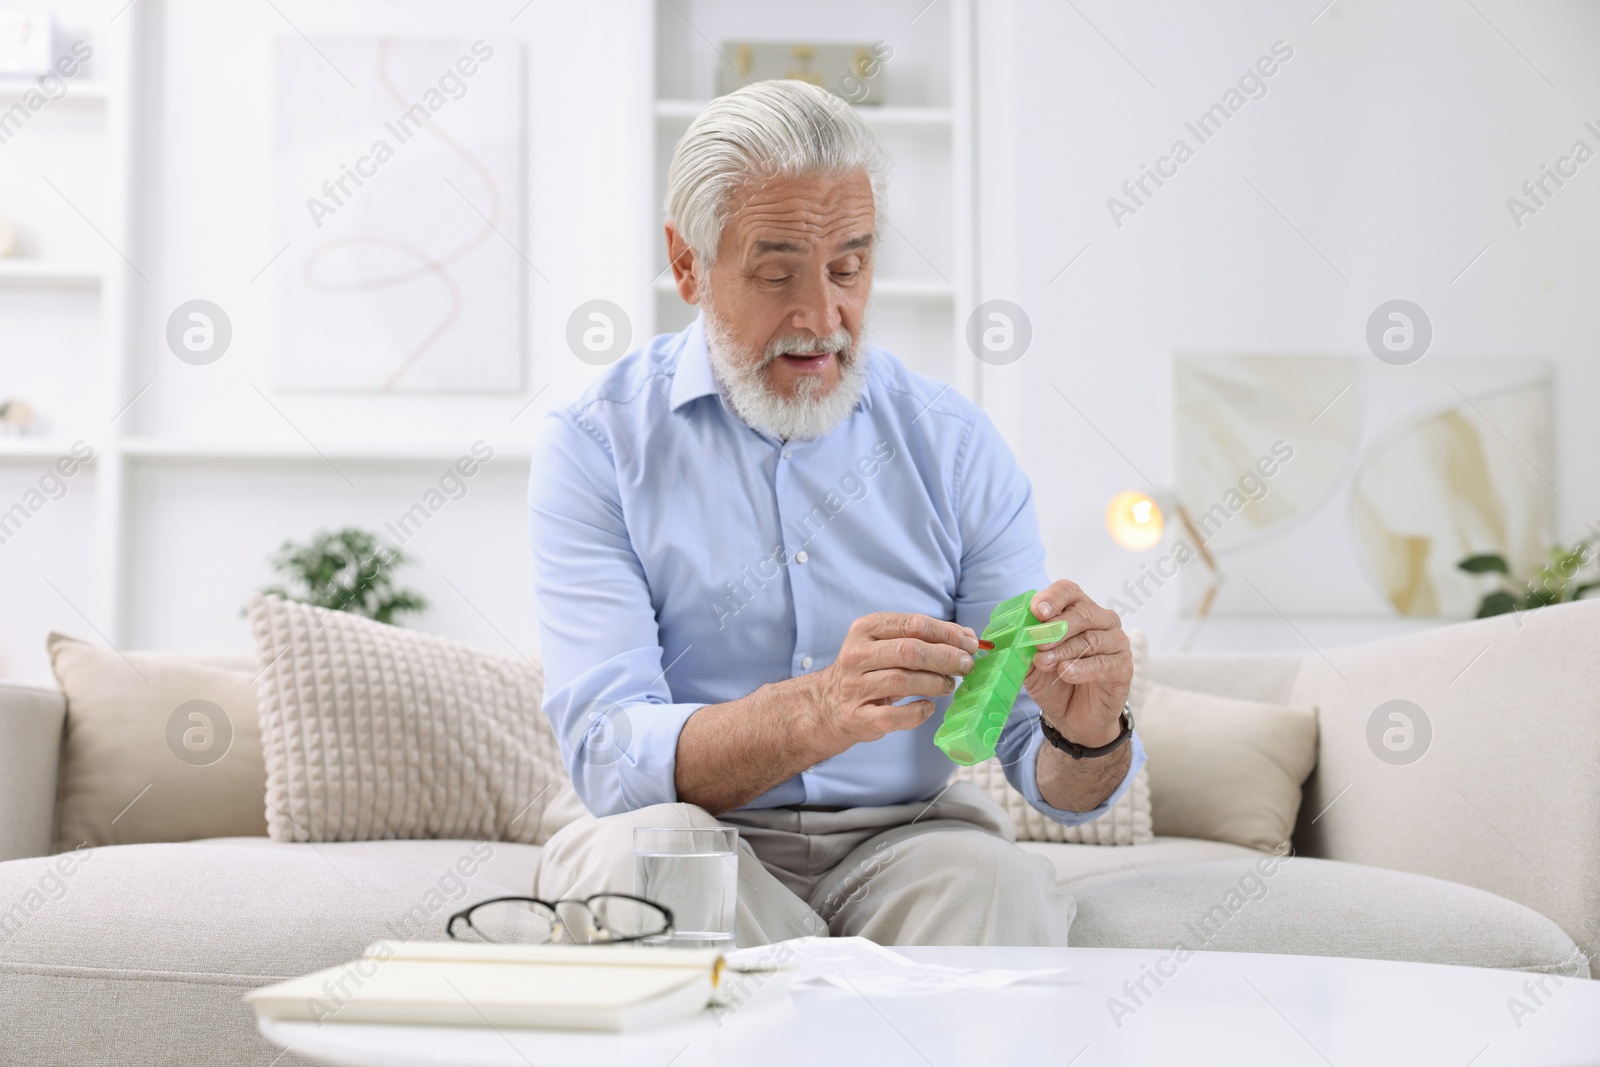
[[799, 344]]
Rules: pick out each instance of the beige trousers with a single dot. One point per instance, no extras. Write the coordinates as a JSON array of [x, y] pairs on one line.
[[945, 872]]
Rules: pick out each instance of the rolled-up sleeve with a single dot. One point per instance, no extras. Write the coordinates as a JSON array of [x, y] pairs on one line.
[[606, 696], [1003, 555]]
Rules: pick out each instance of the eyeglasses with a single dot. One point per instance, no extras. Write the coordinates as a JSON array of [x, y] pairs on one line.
[[605, 918]]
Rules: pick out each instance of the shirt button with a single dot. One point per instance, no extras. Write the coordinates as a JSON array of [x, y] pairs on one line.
[[806, 663], [787, 453], [800, 556]]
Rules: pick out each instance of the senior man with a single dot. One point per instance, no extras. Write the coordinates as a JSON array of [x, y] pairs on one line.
[[763, 550]]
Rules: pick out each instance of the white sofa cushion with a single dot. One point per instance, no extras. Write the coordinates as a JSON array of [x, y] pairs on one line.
[[1315, 907], [505, 863], [371, 731], [1082, 865], [141, 954]]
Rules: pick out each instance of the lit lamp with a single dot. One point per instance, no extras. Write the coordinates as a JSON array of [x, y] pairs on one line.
[[1135, 520], [1136, 523]]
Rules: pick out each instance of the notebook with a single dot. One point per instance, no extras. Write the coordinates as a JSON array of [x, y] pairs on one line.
[[448, 983]]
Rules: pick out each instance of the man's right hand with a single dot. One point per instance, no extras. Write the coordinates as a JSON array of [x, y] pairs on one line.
[[887, 657]]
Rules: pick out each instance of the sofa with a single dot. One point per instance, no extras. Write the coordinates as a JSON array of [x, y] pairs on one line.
[[1485, 852]]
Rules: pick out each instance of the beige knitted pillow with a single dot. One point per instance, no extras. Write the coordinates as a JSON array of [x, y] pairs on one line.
[[371, 731], [1127, 823]]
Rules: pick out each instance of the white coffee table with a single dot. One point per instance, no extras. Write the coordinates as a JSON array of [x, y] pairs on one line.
[[1220, 1007]]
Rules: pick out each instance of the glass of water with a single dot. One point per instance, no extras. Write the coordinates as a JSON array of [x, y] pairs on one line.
[[693, 871]]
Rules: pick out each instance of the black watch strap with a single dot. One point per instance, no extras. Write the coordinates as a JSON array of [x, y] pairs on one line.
[[1077, 751]]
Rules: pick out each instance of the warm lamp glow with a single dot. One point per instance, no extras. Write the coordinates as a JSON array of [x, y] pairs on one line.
[[1134, 520]]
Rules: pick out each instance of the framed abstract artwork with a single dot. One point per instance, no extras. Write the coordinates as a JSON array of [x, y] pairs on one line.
[[1382, 478], [398, 205]]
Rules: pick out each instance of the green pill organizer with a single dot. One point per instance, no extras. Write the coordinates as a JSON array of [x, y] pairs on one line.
[[983, 700]]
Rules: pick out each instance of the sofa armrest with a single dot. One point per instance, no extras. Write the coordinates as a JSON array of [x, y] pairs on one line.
[[30, 751], [1504, 789]]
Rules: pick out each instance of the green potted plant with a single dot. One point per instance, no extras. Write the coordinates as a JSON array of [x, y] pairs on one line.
[[1564, 578], [345, 570]]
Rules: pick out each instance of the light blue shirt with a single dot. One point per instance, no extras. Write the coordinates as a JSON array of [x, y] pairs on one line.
[[684, 559]]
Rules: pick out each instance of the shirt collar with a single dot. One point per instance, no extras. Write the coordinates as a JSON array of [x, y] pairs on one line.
[[694, 377]]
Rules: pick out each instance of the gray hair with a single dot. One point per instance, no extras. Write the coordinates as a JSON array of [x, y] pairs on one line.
[[770, 129]]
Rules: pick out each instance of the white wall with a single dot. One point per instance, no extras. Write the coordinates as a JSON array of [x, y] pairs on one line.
[[1391, 140]]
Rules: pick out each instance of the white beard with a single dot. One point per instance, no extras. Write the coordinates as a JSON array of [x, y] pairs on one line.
[[810, 413]]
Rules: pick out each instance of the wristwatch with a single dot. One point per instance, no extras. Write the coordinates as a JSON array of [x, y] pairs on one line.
[[1077, 751]]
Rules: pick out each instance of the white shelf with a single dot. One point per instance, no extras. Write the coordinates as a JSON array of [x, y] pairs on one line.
[[880, 116], [40, 274], [83, 92], [896, 288], [34, 447], [912, 290], [154, 448]]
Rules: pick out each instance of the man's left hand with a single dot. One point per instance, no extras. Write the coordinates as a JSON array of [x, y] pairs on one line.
[[1081, 682]]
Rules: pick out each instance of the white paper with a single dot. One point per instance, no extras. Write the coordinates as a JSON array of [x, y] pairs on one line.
[[863, 966]]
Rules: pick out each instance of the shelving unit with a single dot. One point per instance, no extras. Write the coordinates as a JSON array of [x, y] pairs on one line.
[[105, 283], [179, 502], [34, 447], [78, 91], [880, 116], [926, 282], [148, 448], [41, 274], [116, 319], [890, 287]]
